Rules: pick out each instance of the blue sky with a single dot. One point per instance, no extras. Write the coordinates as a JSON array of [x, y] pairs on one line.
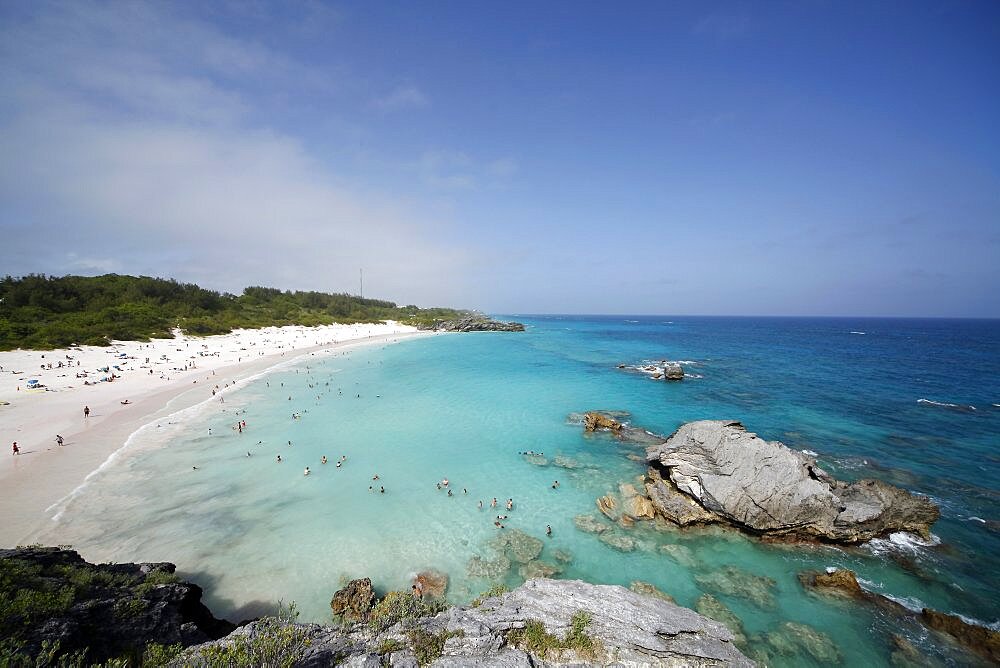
[[801, 158]]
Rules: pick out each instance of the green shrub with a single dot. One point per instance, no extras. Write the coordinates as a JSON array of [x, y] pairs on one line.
[[429, 646], [157, 655], [397, 606], [274, 643], [389, 645], [154, 579], [535, 639]]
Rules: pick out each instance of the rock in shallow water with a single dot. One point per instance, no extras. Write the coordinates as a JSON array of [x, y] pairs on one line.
[[649, 589], [354, 601], [715, 609], [732, 581], [768, 489], [492, 569], [618, 541], [590, 524], [792, 638], [521, 547]]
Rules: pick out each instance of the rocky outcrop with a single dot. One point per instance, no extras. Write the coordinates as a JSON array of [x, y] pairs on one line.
[[843, 583], [767, 489], [673, 371], [109, 610], [355, 601], [474, 323], [594, 421], [625, 628], [615, 423]]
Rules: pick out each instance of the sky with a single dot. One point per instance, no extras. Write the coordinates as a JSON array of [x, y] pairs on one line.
[[718, 158]]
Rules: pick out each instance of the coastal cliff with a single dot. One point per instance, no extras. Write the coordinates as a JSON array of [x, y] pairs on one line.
[[473, 323]]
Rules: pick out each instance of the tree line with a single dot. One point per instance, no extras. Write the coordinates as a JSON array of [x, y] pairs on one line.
[[45, 312]]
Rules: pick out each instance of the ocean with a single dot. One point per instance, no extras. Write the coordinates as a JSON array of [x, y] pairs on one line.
[[913, 402]]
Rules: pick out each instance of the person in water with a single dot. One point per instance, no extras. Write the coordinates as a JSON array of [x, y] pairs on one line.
[[493, 503], [381, 490], [323, 459], [279, 458], [306, 472], [548, 529], [555, 484]]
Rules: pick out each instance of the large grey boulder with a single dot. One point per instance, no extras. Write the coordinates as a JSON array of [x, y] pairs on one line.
[[766, 488]]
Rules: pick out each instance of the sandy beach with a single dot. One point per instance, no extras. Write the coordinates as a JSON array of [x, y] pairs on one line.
[[155, 378]]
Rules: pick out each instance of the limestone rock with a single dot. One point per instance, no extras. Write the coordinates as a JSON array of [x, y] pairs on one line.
[[474, 323], [682, 554], [594, 421], [492, 569], [673, 371], [732, 581], [674, 505], [649, 589], [766, 488], [841, 582], [715, 609], [354, 601], [562, 556], [590, 524], [792, 638], [520, 546], [618, 541], [980, 639], [608, 506], [538, 569], [640, 507], [431, 583]]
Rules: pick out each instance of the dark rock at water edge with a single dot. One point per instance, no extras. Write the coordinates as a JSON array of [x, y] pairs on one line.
[[354, 601], [474, 323], [110, 610]]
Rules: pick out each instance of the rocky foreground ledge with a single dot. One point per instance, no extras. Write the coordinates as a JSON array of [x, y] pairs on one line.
[[52, 602], [474, 323]]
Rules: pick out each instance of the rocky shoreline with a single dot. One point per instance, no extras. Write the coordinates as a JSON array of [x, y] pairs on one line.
[[145, 614], [473, 323]]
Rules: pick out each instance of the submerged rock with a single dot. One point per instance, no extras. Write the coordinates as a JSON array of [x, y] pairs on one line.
[[715, 609], [590, 524], [565, 462], [841, 582], [608, 506], [538, 569], [562, 556], [537, 460], [492, 569], [521, 547], [732, 581], [682, 554], [354, 601], [649, 589], [792, 638], [768, 489], [980, 639], [618, 541], [431, 583]]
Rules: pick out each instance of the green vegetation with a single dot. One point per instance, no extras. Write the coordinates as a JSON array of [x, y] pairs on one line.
[[272, 641], [46, 312], [535, 639], [389, 645], [31, 595], [400, 605], [428, 646], [157, 655], [492, 592]]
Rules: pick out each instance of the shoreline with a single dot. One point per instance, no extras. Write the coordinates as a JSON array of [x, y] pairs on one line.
[[45, 476]]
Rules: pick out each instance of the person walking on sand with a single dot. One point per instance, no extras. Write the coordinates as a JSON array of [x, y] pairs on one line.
[[16, 449], [86, 411], [59, 439]]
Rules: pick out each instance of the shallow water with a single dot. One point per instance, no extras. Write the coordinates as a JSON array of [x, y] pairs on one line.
[[254, 531]]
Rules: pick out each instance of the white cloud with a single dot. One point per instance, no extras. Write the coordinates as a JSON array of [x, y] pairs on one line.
[[403, 97]]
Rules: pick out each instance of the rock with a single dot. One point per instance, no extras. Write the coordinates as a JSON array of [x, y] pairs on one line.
[[640, 507], [432, 584], [474, 323], [626, 521], [491, 569], [590, 524], [627, 490], [538, 569], [673, 371], [715, 609], [562, 556], [521, 547], [674, 505], [537, 460], [792, 638], [841, 582], [906, 655], [565, 462], [618, 541], [983, 641], [648, 589], [354, 601], [594, 421], [114, 610], [682, 554], [732, 581], [607, 505], [768, 489]]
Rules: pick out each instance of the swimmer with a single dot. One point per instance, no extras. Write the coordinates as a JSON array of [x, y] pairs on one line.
[[439, 486], [338, 464], [555, 484], [248, 453], [370, 488], [480, 504], [279, 458], [323, 459], [306, 472], [381, 490], [444, 482], [548, 529], [375, 477], [493, 503], [465, 491], [449, 493], [510, 504]]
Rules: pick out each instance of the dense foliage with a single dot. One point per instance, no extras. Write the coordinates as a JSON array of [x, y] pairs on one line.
[[45, 312]]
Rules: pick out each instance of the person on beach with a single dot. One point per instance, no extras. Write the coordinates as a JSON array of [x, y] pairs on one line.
[[86, 411], [59, 439], [16, 449]]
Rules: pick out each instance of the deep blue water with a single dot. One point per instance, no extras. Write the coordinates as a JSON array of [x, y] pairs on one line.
[[464, 406]]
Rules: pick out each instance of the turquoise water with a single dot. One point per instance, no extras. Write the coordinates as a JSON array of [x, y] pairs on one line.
[[252, 530]]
